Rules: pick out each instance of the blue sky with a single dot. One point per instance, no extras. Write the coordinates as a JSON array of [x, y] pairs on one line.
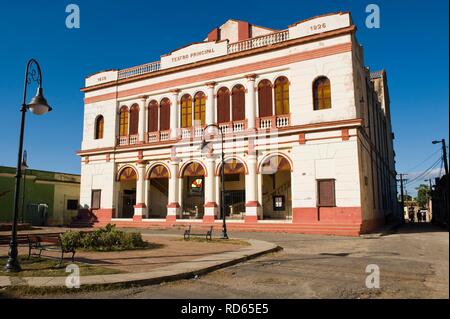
[[412, 45]]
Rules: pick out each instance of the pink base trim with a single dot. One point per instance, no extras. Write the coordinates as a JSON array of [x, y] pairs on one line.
[[173, 205], [253, 204], [140, 205], [137, 218], [208, 219], [251, 219], [171, 219], [211, 204]]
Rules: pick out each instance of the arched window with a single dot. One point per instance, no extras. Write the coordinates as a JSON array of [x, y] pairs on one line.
[[223, 105], [153, 116], [238, 102], [99, 125], [164, 114], [322, 93], [123, 121], [281, 96], [134, 119], [199, 108], [265, 98], [186, 111]]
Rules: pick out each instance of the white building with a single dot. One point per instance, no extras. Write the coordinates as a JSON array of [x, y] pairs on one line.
[[306, 127]]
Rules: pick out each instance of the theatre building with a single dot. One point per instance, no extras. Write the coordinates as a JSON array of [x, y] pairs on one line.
[[306, 128]]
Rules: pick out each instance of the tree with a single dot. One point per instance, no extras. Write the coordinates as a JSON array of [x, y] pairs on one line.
[[422, 195], [406, 198]]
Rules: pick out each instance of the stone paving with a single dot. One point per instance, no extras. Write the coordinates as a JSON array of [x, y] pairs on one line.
[[174, 258]]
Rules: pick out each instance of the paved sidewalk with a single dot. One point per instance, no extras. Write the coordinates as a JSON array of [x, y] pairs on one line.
[[181, 270]]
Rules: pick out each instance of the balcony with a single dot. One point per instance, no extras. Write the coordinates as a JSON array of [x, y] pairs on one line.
[[258, 42], [233, 127], [196, 132], [191, 132], [139, 70], [158, 136], [127, 140], [275, 121]]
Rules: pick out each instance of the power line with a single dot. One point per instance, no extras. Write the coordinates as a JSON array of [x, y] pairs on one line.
[[420, 176], [424, 161]]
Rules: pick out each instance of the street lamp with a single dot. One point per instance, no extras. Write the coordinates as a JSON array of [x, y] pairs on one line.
[[444, 154], [24, 169], [38, 105], [222, 167]]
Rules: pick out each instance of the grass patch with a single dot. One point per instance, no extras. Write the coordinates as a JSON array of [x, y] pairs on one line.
[[15, 292], [215, 241], [43, 267]]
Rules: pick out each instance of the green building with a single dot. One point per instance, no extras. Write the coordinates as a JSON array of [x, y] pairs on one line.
[[46, 198]]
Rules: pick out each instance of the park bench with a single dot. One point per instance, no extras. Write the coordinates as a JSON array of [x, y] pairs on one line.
[[198, 231], [48, 242], [21, 239]]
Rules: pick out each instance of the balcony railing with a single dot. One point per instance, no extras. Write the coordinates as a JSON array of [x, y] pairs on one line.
[[127, 140], [191, 132], [258, 42], [196, 132], [158, 136], [274, 121], [244, 45], [140, 69], [233, 127]]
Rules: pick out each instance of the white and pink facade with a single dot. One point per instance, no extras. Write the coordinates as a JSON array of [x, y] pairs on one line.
[[306, 127]]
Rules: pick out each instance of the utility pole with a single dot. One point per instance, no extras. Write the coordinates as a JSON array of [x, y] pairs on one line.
[[401, 193], [444, 154]]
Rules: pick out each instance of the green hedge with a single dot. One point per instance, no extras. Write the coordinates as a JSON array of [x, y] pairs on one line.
[[103, 239]]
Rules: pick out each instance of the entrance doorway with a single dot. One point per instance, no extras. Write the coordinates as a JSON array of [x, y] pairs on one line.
[[158, 192], [193, 191], [127, 192], [276, 188], [234, 196]]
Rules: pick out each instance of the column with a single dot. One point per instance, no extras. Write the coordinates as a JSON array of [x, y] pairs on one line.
[[210, 104], [252, 206], [174, 113], [173, 208], [142, 119], [210, 189], [250, 102], [260, 193], [140, 209]]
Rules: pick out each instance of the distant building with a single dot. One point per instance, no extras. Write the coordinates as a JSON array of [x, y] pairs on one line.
[[440, 205], [51, 198], [307, 128]]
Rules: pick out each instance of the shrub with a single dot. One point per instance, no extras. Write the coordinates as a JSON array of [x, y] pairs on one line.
[[70, 240], [105, 239]]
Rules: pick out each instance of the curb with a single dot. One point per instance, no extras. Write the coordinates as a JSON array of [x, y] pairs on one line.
[[386, 230], [185, 270]]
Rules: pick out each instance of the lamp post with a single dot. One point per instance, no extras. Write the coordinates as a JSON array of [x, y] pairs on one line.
[[38, 106], [444, 154], [222, 167], [24, 168]]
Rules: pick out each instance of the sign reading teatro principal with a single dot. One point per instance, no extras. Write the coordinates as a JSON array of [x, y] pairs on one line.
[[194, 53]]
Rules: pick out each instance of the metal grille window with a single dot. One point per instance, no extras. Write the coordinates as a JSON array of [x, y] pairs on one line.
[[95, 199], [72, 204], [326, 196]]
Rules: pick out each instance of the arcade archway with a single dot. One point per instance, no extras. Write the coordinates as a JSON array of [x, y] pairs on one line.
[[276, 188]]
